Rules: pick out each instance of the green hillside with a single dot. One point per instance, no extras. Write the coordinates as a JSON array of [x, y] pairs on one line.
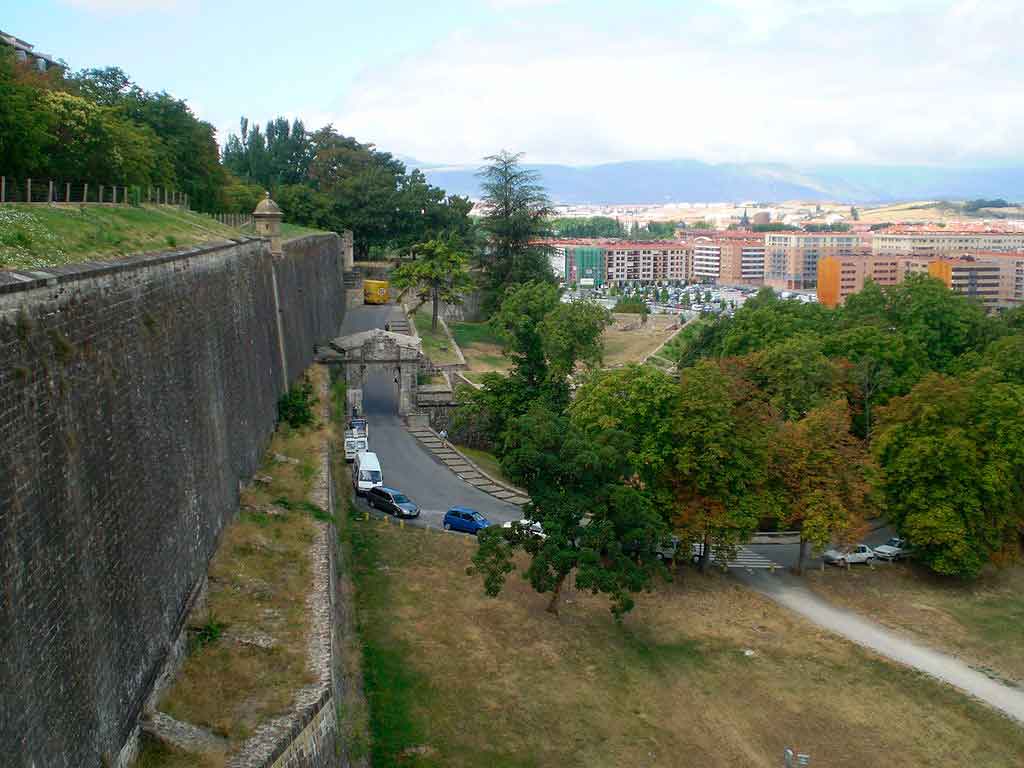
[[35, 236]]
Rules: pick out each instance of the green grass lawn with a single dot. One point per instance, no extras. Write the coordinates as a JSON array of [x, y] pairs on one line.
[[487, 461], [454, 678], [37, 236], [289, 231], [467, 334], [436, 344], [480, 346]]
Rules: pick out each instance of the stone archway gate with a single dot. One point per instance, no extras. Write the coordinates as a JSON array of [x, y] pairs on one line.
[[376, 350]]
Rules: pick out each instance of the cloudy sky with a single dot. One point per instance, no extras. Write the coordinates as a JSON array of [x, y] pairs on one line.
[[581, 81]]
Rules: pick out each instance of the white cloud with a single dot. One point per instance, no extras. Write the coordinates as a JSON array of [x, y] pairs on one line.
[[119, 6], [926, 81], [513, 5]]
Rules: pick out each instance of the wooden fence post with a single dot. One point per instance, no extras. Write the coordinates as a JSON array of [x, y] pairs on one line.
[[100, 200], [3, 189], [67, 192], [49, 192], [85, 192], [28, 191], [113, 190]]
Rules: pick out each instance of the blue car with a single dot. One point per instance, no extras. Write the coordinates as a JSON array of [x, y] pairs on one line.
[[464, 519]]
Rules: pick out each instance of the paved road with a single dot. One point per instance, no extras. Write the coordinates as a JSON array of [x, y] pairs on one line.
[[787, 555], [789, 592], [404, 463]]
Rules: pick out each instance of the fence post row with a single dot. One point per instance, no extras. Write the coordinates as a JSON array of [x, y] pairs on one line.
[[123, 194]]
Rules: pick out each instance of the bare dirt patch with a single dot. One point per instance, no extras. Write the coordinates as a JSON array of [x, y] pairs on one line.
[[629, 340]]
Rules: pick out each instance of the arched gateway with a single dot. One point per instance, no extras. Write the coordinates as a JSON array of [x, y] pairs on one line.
[[376, 350]]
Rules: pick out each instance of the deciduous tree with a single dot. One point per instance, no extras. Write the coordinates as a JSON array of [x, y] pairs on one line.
[[594, 524], [822, 470], [439, 273], [951, 456]]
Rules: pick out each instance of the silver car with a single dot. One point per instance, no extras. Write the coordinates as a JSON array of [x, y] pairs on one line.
[[862, 553], [894, 549]]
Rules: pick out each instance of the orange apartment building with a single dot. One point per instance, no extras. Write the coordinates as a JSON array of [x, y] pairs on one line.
[[994, 278]]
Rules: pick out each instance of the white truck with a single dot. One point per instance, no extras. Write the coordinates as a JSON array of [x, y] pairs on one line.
[[354, 443]]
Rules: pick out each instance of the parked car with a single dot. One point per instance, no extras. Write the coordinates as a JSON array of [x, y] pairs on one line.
[[894, 549], [532, 527], [353, 445], [366, 473], [465, 519], [862, 553], [392, 501]]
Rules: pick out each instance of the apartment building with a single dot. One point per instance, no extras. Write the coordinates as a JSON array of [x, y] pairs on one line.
[[943, 241], [791, 258], [994, 278], [728, 258], [646, 261], [26, 52]]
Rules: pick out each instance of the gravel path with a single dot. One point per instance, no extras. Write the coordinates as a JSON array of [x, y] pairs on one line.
[[789, 592]]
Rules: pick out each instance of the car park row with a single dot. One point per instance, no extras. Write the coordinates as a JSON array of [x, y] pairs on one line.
[[368, 481]]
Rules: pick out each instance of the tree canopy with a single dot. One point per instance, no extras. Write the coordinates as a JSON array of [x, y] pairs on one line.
[[440, 273], [96, 125]]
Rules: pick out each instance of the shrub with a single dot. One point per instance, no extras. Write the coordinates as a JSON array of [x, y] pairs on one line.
[[295, 407]]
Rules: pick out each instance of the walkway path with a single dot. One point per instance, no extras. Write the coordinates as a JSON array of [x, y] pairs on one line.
[[789, 592]]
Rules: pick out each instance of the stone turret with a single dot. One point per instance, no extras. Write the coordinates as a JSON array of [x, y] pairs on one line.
[[268, 223]]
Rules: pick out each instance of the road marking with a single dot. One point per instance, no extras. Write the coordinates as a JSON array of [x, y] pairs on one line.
[[745, 558]]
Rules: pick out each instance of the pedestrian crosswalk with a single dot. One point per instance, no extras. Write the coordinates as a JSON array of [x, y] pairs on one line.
[[745, 558]]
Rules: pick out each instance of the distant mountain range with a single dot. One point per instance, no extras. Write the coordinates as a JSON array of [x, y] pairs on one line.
[[691, 181]]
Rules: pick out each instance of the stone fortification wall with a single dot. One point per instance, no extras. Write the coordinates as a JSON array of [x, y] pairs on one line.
[[134, 396]]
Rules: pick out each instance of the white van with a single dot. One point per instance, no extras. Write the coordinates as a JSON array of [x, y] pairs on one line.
[[354, 445], [366, 472]]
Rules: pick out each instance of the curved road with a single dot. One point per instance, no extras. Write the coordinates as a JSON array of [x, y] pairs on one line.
[[404, 463]]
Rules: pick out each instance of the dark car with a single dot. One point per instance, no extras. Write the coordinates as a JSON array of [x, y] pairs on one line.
[[464, 519], [392, 501]]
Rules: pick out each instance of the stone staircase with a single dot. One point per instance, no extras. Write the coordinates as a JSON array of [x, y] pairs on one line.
[[400, 325], [353, 278], [458, 463]]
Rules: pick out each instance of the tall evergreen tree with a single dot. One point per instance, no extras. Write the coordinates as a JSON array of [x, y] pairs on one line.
[[515, 212]]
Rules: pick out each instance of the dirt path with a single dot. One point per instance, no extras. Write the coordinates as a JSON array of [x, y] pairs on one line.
[[789, 592]]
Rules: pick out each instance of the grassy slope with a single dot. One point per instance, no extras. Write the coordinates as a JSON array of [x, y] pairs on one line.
[[41, 236], [37, 236], [480, 346], [456, 679], [981, 622], [436, 344], [488, 462]]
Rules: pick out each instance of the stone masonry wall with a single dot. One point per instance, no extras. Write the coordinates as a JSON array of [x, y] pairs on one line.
[[134, 396]]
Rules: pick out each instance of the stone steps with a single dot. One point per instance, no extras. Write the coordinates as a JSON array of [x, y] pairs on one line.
[[463, 467]]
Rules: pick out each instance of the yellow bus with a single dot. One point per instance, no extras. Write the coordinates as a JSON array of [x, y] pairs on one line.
[[375, 291]]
